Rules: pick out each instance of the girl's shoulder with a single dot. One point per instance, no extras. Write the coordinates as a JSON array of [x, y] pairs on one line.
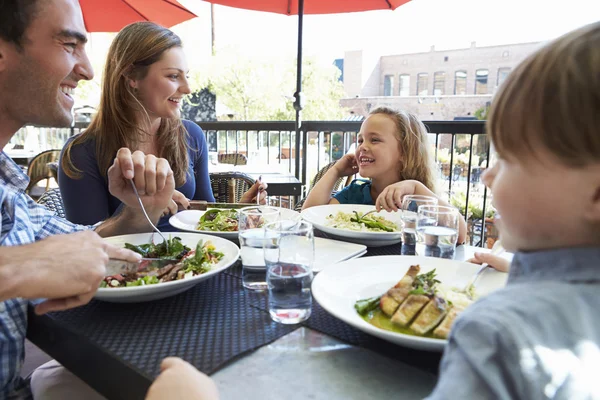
[[359, 184]]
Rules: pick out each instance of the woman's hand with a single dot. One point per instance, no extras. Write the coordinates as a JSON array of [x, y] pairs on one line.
[[347, 165], [498, 263], [178, 202], [258, 189]]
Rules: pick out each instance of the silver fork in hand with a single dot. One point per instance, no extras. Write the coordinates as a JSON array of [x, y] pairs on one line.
[[146, 215]]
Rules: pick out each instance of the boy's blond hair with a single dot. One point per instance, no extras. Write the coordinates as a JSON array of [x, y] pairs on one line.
[[552, 101], [417, 162]]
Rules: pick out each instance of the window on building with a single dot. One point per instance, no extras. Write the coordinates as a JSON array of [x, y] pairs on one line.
[[388, 85], [422, 82], [502, 75], [481, 81], [460, 82], [439, 82], [404, 85]]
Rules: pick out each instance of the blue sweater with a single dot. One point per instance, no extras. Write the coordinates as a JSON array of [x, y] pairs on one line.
[[87, 200]]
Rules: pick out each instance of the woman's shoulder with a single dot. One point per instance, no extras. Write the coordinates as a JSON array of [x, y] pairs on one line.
[[192, 127], [84, 145]]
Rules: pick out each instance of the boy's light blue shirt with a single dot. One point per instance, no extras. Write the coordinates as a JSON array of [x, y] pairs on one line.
[[357, 192], [539, 338]]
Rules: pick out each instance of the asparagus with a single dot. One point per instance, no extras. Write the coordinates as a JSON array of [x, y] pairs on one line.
[[364, 306]]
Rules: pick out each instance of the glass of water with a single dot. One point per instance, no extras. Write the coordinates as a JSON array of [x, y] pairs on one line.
[[289, 255], [437, 231], [410, 205], [251, 234]]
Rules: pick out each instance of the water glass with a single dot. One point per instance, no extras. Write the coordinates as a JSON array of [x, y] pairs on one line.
[[410, 205], [437, 231], [289, 255], [251, 234]]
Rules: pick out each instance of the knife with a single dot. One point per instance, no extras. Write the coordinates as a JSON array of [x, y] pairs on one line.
[[116, 267], [203, 205]]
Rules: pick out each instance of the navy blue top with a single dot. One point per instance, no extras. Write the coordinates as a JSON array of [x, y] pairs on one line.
[[357, 192], [88, 201]]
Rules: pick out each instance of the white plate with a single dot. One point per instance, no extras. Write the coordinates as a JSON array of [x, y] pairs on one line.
[[317, 216], [338, 287], [137, 294], [329, 252], [187, 221]]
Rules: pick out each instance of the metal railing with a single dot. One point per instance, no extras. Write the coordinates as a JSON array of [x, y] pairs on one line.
[[461, 149]]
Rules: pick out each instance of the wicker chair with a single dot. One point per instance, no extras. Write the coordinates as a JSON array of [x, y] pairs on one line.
[[339, 184], [233, 158], [228, 187], [38, 168], [52, 200]]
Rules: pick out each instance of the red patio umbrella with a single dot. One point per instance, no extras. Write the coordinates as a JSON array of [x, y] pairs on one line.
[[113, 15], [301, 7]]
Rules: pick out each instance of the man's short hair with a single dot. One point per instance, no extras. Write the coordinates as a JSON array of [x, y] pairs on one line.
[[551, 101], [15, 17]]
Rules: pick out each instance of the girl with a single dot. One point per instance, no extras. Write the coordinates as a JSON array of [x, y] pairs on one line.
[[393, 152], [144, 84]]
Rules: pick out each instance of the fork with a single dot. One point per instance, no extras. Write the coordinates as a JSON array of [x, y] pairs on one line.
[[497, 249], [146, 215]]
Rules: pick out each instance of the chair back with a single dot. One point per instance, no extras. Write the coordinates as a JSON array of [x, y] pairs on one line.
[[228, 187], [52, 200], [38, 168], [339, 184], [233, 158]]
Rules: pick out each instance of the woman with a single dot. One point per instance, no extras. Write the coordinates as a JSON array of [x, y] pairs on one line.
[[144, 84]]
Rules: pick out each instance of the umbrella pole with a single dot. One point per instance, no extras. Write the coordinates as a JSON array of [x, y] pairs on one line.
[[298, 102]]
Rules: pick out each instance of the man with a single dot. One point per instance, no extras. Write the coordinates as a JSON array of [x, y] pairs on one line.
[[42, 58]]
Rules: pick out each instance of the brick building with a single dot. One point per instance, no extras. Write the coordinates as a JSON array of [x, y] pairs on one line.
[[436, 85]]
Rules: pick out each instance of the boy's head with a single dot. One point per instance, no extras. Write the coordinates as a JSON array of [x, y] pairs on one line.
[[545, 126]]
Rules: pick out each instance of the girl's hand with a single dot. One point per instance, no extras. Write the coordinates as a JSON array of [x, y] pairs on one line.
[[178, 202], [258, 189], [498, 263], [391, 197], [347, 165], [180, 380]]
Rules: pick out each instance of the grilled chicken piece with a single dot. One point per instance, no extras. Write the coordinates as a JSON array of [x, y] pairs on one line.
[[172, 275], [390, 301], [443, 330], [430, 316], [407, 311]]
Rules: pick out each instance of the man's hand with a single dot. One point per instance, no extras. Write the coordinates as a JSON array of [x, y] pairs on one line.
[[258, 189], [65, 269], [152, 176], [346, 165], [180, 380]]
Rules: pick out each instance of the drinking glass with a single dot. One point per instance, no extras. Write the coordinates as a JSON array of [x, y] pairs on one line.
[[437, 231], [410, 204], [289, 255], [251, 234]]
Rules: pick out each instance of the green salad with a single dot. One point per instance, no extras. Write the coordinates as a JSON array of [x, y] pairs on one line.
[[218, 221]]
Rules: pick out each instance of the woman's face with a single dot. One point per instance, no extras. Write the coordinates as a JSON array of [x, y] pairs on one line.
[[164, 86]]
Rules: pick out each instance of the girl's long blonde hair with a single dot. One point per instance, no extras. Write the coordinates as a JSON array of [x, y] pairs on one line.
[[416, 161], [116, 125]]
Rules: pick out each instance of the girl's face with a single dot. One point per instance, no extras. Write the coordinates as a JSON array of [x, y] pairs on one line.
[[162, 89], [378, 151]]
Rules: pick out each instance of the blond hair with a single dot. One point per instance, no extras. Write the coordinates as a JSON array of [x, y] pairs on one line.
[[134, 49], [416, 160], [552, 100]]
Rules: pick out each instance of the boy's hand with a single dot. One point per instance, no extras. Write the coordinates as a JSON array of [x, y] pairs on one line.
[[347, 165], [498, 263], [180, 380], [391, 197]]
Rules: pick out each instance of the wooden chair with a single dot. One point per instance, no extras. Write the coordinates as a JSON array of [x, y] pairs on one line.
[[228, 187], [38, 169], [52, 200], [233, 158], [339, 184]]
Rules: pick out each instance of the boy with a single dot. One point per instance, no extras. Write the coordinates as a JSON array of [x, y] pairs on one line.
[[540, 336]]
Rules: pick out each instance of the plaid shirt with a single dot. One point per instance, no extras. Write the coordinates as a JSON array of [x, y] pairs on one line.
[[23, 221]]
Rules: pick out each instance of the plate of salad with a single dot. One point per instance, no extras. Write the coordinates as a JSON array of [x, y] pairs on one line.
[[215, 221], [196, 258]]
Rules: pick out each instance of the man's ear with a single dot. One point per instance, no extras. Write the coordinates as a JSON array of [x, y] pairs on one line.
[[3, 55]]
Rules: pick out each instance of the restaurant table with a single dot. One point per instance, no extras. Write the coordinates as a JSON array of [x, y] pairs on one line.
[[280, 181], [226, 332], [21, 156]]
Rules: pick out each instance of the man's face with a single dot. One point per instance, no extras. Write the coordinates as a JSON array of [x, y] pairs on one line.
[[38, 81]]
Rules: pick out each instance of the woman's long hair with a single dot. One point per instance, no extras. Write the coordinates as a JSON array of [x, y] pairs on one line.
[[416, 160], [116, 125]]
